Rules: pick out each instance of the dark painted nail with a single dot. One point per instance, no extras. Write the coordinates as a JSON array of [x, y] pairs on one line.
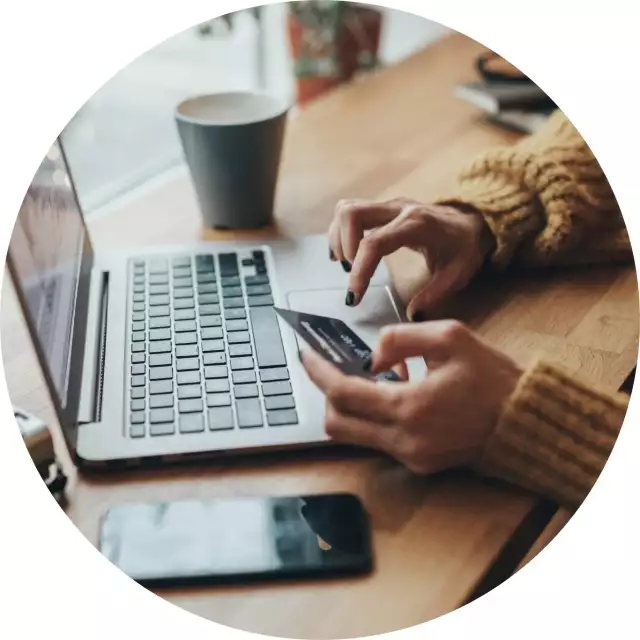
[[346, 265], [332, 256], [350, 299], [418, 316], [366, 365]]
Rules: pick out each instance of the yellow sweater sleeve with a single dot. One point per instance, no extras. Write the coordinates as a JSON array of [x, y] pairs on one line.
[[554, 436], [546, 200]]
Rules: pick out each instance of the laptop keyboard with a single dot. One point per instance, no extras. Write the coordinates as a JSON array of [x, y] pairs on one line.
[[205, 350]]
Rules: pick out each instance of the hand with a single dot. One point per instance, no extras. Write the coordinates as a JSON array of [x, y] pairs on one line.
[[437, 423], [454, 244]]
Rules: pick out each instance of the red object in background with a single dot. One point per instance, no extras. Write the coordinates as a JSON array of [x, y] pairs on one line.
[[352, 46]]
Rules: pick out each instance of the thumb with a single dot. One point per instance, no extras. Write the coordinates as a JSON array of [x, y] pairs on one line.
[[441, 283], [399, 342]]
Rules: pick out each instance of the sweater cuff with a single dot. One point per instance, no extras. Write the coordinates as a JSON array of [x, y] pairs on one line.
[[554, 436]]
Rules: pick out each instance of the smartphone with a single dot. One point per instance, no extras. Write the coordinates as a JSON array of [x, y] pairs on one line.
[[238, 539]]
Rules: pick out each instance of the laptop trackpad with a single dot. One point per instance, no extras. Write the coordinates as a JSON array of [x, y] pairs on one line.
[[374, 312]]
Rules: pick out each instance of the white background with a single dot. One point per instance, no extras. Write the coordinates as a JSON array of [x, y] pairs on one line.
[[54, 55]]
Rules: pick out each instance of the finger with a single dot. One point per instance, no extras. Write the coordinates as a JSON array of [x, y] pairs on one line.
[[442, 283], [357, 216], [350, 430], [351, 395], [335, 242], [402, 371], [378, 244], [434, 341]]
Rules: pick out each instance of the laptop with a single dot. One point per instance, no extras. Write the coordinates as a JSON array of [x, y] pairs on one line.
[[174, 353]]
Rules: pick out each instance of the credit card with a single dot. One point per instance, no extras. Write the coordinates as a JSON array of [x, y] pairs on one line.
[[335, 342]]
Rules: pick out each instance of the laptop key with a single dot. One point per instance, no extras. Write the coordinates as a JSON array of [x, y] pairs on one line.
[[209, 310], [158, 301], [188, 377], [256, 280], [189, 391], [221, 419], [159, 278], [230, 281], [214, 358], [281, 418], [157, 265], [139, 288], [158, 289], [160, 373], [159, 323], [159, 312], [193, 405], [206, 278], [232, 292], [210, 321], [159, 416], [191, 423], [187, 351], [274, 403], [261, 301], [138, 317], [208, 298], [184, 325], [259, 290], [212, 345], [235, 314], [228, 264], [239, 337], [234, 303], [218, 400], [276, 389], [186, 303], [181, 261], [138, 369], [243, 377], [207, 288], [138, 336], [138, 347], [162, 346], [236, 325], [186, 338], [137, 417], [274, 375], [266, 337], [246, 391], [164, 401], [138, 405], [160, 360], [239, 364], [183, 283], [160, 387], [237, 350], [137, 393], [137, 430], [218, 371], [138, 297], [162, 429], [249, 413], [211, 333], [138, 381], [217, 386], [188, 364], [182, 293], [184, 314], [138, 358], [159, 334], [182, 272]]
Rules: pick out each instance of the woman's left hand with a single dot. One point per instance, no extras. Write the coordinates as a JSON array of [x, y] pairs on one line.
[[429, 425]]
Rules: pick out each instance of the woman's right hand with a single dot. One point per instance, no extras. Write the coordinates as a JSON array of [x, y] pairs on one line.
[[454, 244]]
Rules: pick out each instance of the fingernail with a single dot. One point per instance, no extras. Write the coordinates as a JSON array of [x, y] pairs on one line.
[[332, 256], [346, 265], [418, 316], [350, 299]]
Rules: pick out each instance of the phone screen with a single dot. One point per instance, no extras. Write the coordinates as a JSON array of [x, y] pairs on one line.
[[230, 539]]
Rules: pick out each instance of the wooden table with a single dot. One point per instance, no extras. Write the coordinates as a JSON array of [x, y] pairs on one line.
[[438, 541]]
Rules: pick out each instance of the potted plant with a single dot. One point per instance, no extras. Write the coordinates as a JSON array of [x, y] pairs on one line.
[[330, 42]]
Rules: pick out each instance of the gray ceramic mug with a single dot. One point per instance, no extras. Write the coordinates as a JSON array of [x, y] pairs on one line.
[[232, 143]]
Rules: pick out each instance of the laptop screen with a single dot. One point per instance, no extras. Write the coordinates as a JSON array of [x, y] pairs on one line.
[[46, 252]]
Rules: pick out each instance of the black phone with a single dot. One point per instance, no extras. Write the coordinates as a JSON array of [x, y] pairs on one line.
[[238, 539]]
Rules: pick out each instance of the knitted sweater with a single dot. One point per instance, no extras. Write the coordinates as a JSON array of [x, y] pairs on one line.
[[547, 201]]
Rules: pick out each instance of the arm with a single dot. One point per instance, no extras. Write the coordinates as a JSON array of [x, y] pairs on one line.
[[554, 435], [545, 200]]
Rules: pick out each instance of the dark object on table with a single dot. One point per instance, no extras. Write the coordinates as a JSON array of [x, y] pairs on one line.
[[39, 443], [506, 95]]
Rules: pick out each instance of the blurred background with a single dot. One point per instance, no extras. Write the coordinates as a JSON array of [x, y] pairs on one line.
[[124, 136]]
